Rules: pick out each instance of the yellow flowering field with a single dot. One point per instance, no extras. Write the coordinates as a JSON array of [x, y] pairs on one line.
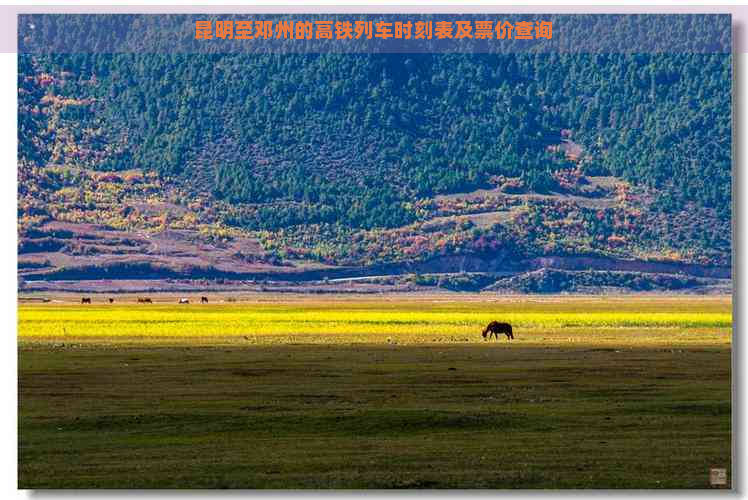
[[637, 320]]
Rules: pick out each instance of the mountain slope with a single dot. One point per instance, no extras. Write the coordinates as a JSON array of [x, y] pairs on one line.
[[315, 162]]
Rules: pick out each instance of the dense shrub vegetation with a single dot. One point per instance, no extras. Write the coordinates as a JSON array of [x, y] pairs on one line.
[[345, 159], [554, 281], [326, 130]]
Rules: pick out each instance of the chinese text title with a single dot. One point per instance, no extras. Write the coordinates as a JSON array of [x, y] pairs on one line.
[[343, 30]]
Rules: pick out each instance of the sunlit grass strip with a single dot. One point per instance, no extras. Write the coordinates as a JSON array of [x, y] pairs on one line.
[[174, 321]]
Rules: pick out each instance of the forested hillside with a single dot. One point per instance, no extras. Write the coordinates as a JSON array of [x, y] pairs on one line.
[[374, 159]]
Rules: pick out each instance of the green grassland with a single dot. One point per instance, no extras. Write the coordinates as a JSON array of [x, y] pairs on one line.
[[376, 393]]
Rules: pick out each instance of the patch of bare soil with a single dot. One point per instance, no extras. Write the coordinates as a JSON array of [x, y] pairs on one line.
[[605, 182], [63, 247]]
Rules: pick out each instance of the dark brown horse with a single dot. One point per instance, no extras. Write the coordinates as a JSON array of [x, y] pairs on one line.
[[86, 300], [203, 300], [495, 328]]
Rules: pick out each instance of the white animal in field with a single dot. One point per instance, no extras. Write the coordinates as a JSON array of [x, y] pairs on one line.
[[184, 300]]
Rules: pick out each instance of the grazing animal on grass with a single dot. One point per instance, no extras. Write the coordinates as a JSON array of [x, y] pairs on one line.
[[495, 328], [203, 300], [111, 300], [184, 301], [144, 300], [86, 300]]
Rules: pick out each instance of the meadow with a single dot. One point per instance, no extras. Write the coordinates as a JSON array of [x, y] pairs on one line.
[[409, 321], [385, 392]]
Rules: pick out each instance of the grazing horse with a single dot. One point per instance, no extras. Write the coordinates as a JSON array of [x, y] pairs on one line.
[[144, 300], [86, 300], [111, 300], [184, 301], [495, 328], [203, 300]]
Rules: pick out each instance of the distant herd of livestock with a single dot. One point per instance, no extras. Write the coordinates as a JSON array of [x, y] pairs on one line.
[[147, 300], [494, 328]]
